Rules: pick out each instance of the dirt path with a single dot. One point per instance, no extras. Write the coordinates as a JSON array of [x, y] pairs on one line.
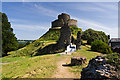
[[63, 71]]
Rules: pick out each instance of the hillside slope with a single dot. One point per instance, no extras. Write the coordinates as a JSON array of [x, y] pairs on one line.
[[49, 38], [52, 34]]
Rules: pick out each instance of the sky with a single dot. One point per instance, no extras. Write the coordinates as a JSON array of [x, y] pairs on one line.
[[30, 20]]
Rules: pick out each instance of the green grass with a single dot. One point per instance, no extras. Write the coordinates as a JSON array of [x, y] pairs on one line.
[[58, 55], [42, 66], [31, 49], [52, 34], [12, 59], [74, 31], [32, 67], [86, 52]]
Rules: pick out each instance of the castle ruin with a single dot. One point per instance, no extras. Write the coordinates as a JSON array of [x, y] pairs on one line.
[[63, 19]]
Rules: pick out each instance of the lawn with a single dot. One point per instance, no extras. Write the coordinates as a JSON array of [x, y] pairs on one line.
[[12, 59], [30, 67], [41, 66]]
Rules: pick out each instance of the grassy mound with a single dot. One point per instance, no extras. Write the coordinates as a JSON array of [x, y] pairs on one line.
[[49, 38], [31, 49], [52, 34]]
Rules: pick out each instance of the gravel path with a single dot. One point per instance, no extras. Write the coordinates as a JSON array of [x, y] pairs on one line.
[[64, 53]]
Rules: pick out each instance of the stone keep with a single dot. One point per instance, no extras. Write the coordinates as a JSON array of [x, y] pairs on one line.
[[65, 37], [63, 19], [78, 44]]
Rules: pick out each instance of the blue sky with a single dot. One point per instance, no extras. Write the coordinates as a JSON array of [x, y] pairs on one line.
[[30, 20]]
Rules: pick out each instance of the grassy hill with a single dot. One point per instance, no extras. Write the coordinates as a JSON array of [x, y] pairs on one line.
[[52, 34], [50, 37]]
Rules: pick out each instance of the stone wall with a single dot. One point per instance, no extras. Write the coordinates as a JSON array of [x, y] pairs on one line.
[[78, 44], [58, 23], [65, 37], [72, 22], [64, 16], [63, 19]]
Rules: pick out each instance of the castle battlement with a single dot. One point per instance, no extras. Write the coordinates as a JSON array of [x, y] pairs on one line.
[[62, 19]]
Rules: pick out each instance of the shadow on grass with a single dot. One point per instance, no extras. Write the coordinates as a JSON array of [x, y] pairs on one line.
[[95, 51], [50, 49], [68, 65]]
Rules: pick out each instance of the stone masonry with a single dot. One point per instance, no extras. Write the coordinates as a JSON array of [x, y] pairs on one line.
[[65, 37], [78, 44], [63, 19]]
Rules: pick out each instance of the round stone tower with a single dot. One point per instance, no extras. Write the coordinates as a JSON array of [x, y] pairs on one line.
[[64, 19], [64, 16]]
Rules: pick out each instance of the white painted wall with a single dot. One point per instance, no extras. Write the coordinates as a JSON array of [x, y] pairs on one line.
[[71, 48]]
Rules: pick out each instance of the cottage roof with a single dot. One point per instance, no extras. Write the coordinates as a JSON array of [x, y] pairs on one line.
[[115, 40]]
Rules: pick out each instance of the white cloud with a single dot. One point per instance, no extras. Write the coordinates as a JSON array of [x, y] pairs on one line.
[[23, 0], [113, 31], [108, 6], [28, 27], [90, 8], [29, 32], [13, 20], [46, 11]]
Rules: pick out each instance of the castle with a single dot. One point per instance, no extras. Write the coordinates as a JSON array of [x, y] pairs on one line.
[[62, 19]]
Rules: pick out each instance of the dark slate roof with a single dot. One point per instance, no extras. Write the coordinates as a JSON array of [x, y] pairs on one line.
[[115, 40]]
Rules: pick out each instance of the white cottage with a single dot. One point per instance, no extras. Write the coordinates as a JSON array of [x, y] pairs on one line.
[[71, 48]]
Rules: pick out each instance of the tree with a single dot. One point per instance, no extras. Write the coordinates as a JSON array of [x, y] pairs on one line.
[[92, 35], [27, 43], [9, 41], [21, 46]]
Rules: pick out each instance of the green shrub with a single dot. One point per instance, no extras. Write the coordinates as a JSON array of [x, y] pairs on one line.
[[74, 30], [92, 35], [21, 46], [82, 43], [113, 59], [100, 46]]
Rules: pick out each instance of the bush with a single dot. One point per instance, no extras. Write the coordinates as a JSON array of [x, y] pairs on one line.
[[74, 30], [100, 46], [27, 43], [92, 35], [113, 59], [21, 46]]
